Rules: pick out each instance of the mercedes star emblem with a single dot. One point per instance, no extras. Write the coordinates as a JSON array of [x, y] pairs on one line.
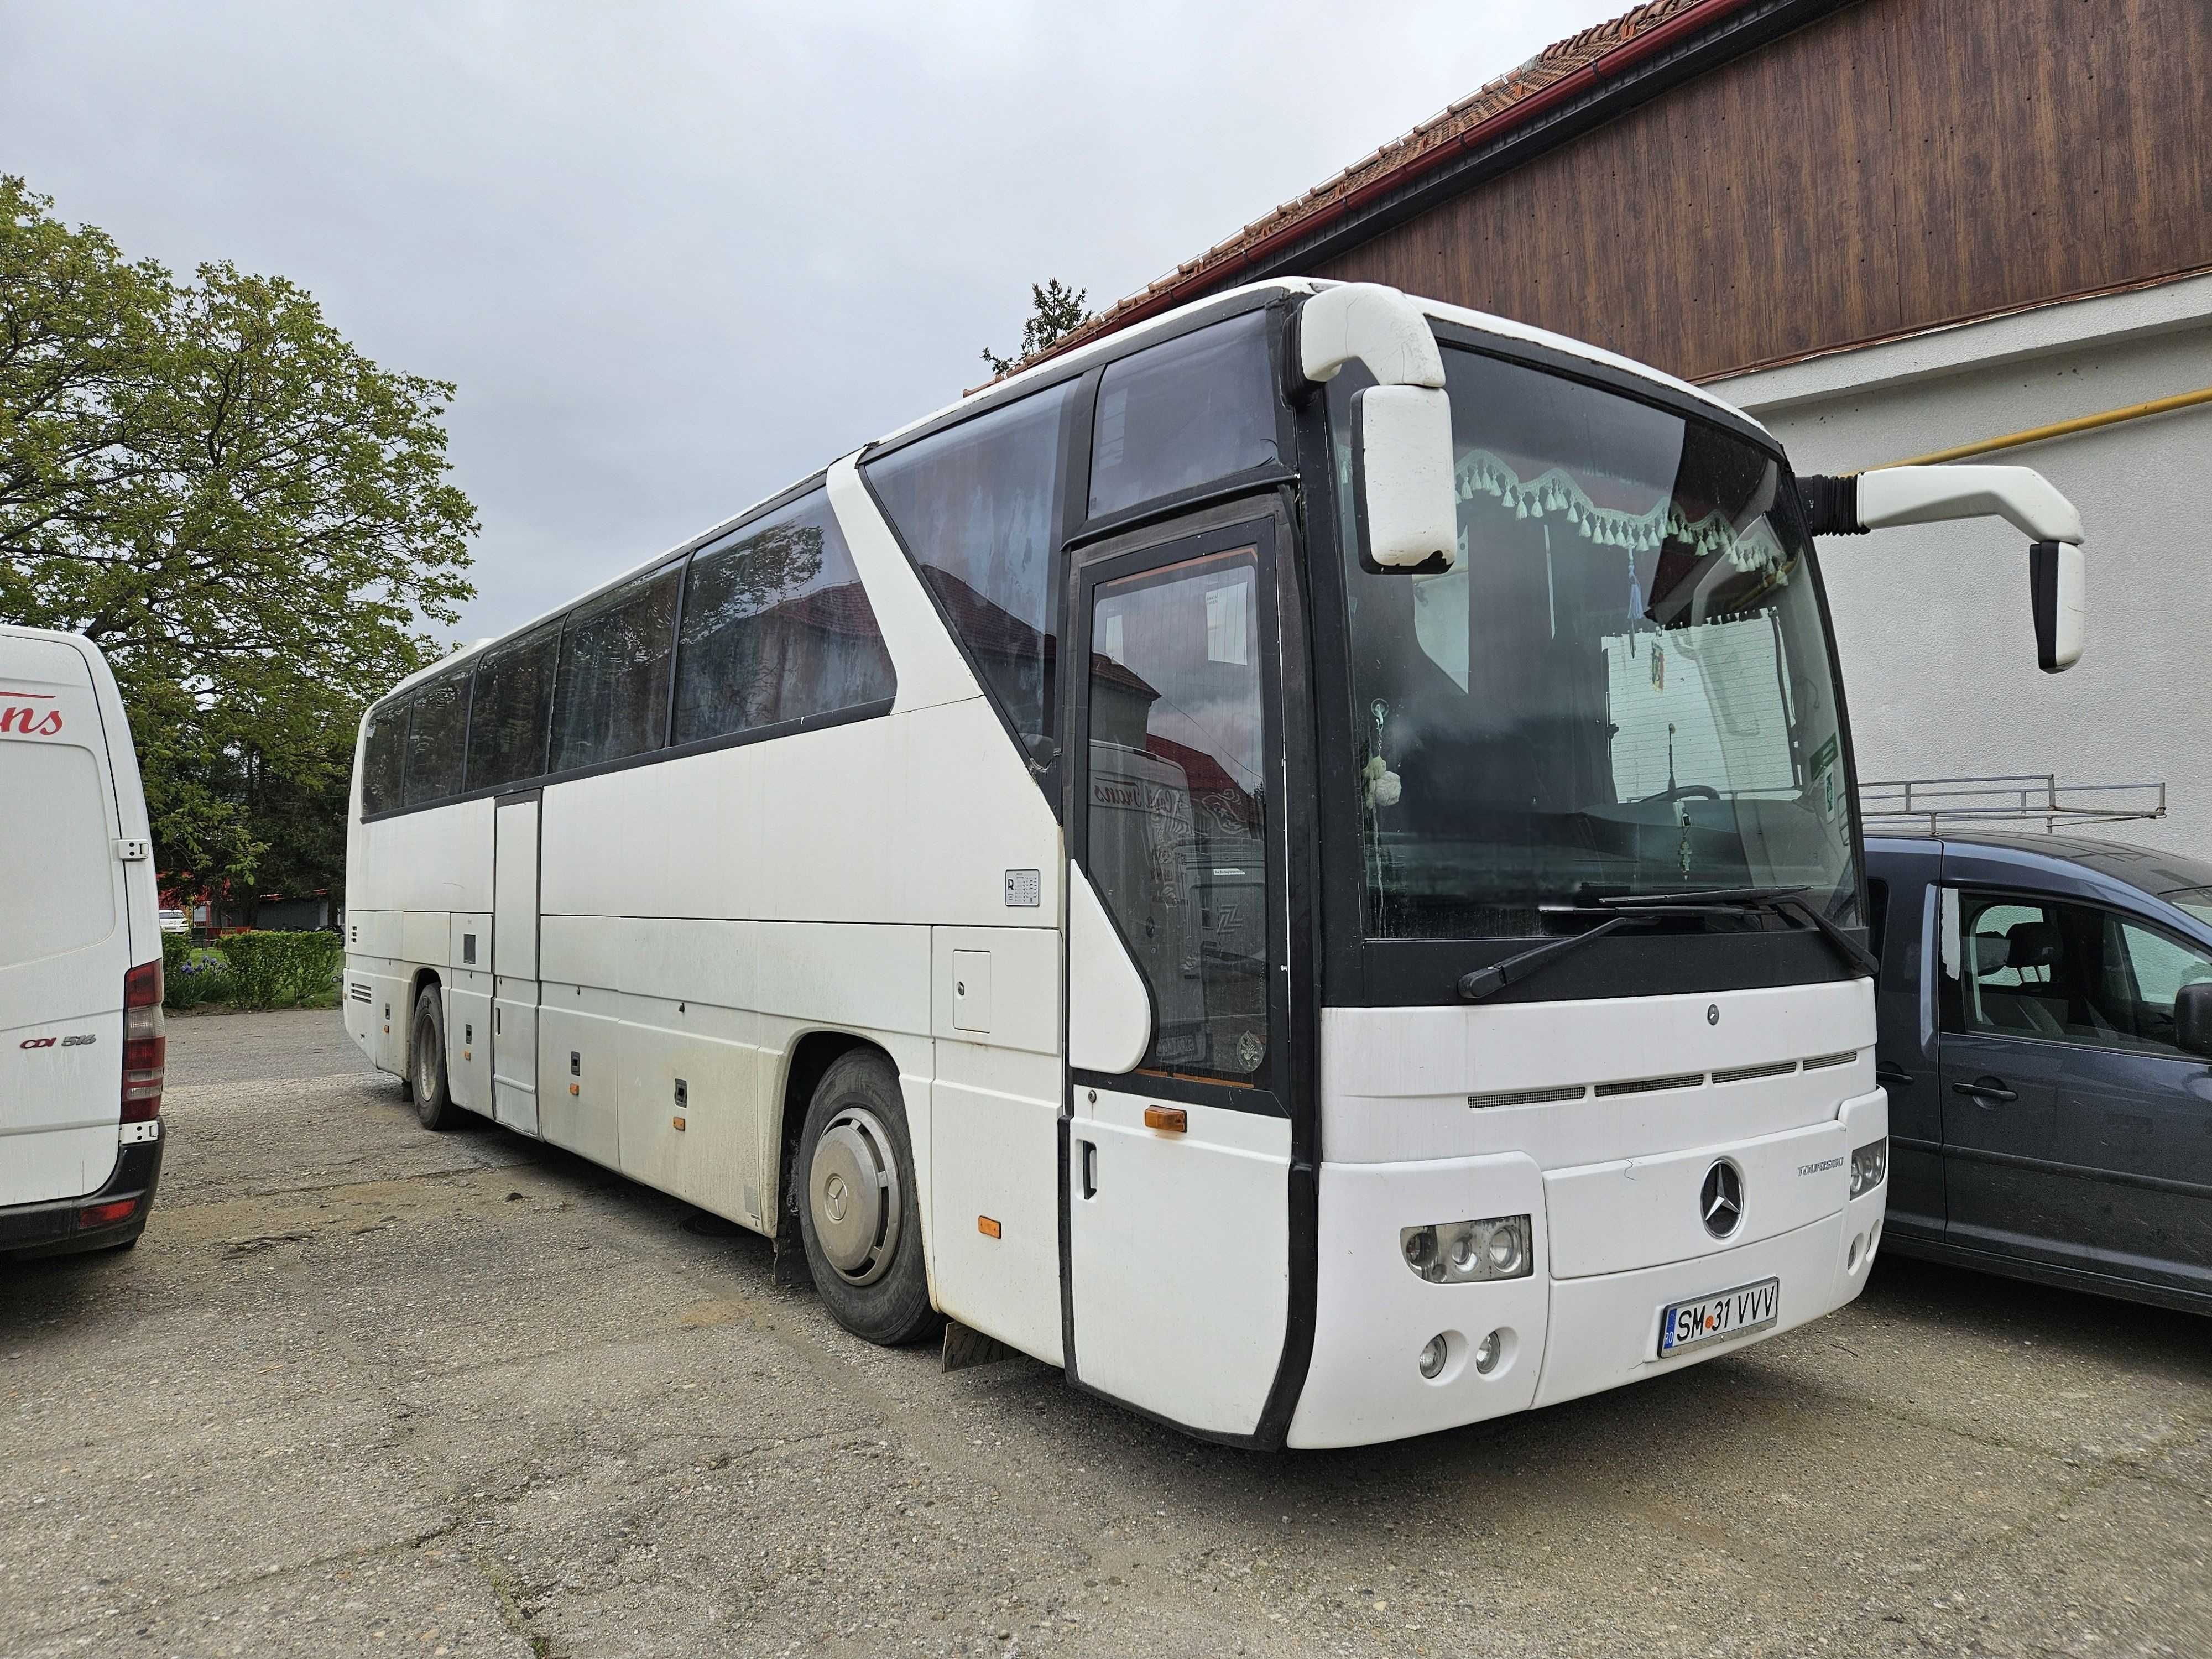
[[1720, 1201]]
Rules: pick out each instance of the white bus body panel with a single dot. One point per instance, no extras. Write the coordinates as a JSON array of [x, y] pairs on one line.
[[1158, 1223], [1613, 1184], [76, 916]]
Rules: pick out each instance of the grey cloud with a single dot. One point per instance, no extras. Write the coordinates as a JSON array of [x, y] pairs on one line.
[[678, 257]]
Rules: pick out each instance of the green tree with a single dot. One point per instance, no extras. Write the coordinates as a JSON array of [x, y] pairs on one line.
[[1056, 311], [251, 519]]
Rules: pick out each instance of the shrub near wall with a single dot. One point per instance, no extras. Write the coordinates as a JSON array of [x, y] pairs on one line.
[[253, 970]]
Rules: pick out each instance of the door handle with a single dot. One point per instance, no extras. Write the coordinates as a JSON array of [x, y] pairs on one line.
[[1986, 1089], [1889, 1071], [1089, 1168]]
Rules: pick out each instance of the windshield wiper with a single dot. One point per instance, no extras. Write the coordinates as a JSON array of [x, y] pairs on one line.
[[1782, 900], [1484, 983]]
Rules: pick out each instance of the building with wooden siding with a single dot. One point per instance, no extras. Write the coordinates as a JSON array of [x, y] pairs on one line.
[[1886, 228]]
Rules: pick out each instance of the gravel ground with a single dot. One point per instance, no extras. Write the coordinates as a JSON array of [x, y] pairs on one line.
[[363, 1389]]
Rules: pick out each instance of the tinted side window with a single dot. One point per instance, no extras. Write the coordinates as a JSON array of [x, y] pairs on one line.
[[513, 700], [1178, 807], [383, 757], [978, 506], [1183, 413], [612, 695], [777, 628], [437, 740]]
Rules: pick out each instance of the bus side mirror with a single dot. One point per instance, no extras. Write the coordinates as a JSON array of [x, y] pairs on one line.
[[2193, 1018], [1401, 477], [2059, 586]]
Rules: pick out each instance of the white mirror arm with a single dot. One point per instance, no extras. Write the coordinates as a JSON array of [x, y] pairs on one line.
[[1373, 324], [2023, 497]]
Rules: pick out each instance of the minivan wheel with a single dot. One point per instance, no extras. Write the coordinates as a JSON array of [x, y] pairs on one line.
[[858, 1214], [433, 1099]]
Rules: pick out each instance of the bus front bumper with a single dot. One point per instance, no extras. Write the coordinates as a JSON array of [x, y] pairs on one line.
[[1559, 1338]]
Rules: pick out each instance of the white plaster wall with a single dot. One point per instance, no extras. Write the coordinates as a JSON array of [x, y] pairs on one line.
[[1933, 622]]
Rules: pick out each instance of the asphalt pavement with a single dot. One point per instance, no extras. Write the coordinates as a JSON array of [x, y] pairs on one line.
[[367, 1390]]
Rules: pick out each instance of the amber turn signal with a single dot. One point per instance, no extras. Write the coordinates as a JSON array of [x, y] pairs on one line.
[[986, 1226], [677, 1121], [1173, 1119]]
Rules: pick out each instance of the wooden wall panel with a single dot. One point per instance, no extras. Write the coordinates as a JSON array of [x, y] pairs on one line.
[[1900, 164]]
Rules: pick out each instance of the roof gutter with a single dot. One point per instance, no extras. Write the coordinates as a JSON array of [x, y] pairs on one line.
[[1578, 83]]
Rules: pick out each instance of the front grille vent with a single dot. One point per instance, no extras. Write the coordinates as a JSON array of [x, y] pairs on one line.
[[1528, 1097], [1842, 1059], [1744, 1074], [1645, 1085]]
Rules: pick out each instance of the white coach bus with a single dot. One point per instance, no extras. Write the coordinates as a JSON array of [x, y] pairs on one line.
[[1297, 862]]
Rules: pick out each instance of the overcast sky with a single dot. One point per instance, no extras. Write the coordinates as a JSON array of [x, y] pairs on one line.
[[678, 257]]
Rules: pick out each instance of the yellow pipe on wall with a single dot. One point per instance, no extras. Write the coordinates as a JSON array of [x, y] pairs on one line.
[[2036, 435]]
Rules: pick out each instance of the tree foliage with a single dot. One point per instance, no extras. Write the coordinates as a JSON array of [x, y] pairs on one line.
[[249, 517], [1056, 311]]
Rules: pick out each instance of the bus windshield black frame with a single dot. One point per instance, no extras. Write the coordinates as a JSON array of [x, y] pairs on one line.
[[1626, 685]]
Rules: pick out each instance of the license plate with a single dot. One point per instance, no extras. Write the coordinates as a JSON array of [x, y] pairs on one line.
[[1731, 1313]]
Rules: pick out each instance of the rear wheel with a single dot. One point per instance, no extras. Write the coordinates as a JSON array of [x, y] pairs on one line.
[[434, 1100], [857, 1208]]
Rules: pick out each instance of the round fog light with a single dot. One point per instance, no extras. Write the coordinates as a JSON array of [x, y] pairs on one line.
[[1432, 1357], [1486, 1352]]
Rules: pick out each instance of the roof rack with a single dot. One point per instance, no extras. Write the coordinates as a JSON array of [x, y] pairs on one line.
[[1937, 804]]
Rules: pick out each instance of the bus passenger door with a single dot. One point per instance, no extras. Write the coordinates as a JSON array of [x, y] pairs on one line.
[[1180, 1142], [515, 963]]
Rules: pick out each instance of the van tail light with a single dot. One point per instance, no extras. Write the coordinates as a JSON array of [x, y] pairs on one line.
[[145, 1042]]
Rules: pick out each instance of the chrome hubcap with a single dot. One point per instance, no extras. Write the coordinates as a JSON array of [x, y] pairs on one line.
[[852, 1192]]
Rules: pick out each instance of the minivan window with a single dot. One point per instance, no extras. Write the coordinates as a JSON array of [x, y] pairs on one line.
[[382, 758], [2024, 967], [1183, 413], [437, 741], [513, 702], [978, 506], [777, 628], [611, 698]]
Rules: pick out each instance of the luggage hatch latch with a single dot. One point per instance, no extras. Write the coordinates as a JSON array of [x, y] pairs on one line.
[[134, 852]]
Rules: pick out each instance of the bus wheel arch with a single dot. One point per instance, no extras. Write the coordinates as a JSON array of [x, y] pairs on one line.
[[429, 1083], [850, 1188]]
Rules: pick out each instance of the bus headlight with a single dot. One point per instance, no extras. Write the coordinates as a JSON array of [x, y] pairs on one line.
[[1869, 1164], [1463, 1252]]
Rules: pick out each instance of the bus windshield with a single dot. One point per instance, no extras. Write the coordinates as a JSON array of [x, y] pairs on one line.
[[1622, 686]]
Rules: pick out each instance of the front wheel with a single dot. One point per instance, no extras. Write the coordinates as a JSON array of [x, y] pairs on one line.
[[858, 1212], [434, 1097]]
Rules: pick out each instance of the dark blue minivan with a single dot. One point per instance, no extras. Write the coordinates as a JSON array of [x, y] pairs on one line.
[[2045, 1035]]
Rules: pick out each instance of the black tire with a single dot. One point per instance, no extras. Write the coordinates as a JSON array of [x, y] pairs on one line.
[[869, 1269], [434, 1097]]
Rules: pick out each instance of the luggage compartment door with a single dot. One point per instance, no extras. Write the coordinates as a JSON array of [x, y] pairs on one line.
[[515, 963]]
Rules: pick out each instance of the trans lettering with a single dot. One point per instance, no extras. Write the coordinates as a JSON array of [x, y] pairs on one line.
[[30, 722]]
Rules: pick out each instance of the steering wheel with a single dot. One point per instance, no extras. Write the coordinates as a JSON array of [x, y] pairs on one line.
[[1703, 791]]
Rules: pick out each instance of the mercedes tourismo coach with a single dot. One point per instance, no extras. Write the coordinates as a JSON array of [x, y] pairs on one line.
[[1297, 861]]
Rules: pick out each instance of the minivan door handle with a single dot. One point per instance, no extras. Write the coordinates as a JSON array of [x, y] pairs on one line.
[[1889, 1072], [1986, 1089]]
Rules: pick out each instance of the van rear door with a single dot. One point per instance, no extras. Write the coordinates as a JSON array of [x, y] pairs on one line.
[[64, 928]]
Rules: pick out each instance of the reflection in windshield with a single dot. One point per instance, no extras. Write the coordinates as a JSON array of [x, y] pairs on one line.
[[1621, 686]]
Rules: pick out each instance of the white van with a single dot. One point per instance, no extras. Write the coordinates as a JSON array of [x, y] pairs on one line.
[[82, 1047]]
